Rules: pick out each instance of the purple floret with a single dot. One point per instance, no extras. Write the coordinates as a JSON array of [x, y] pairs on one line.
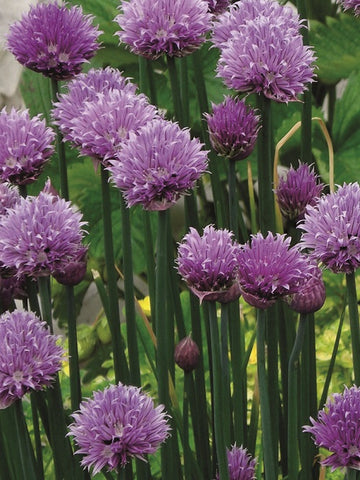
[[157, 165], [54, 40], [152, 28], [332, 229], [270, 269], [337, 429], [26, 144], [209, 264], [233, 128], [29, 355], [39, 234], [117, 424]]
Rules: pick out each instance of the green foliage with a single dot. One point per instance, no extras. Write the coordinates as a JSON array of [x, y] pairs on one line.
[[337, 46], [345, 134]]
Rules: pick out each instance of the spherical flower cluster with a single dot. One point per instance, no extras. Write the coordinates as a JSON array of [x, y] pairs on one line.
[[117, 424], [266, 55], [270, 269], [241, 464], [209, 264], [172, 27], [338, 430], [351, 5], [233, 128], [332, 229], [105, 123], [85, 88], [54, 40], [158, 164], [299, 188], [40, 234], [311, 297], [25, 146], [243, 11], [29, 355], [9, 197]]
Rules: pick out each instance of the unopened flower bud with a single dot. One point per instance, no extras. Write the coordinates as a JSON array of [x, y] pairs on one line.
[[187, 354], [312, 295]]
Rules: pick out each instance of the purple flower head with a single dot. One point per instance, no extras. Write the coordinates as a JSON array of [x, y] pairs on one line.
[[337, 429], [40, 234], [209, 265], [25, 146], [332, 229], [218, 6], [264, 56], [311, 297], [230, 22], [105, 123], [351, 5], [85, 88], [233, 128], [157, 165], [300, 187], [152, 28], [117, 424], [29, 355], [241, 464], [9, 197], [270, 269], [54, 40]]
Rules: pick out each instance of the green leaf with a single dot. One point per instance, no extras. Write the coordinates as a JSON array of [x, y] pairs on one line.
[[346, 135], [337, 46]]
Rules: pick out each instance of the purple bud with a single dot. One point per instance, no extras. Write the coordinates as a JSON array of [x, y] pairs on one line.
[[187, 354], [312, 295]]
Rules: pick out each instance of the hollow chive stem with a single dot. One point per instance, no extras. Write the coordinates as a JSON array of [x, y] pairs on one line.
[[354, 324], [293, 420], [120, 362], [62, 452], [219, 417], [60, 148], [268, 445], [265, 168], [162, 331]]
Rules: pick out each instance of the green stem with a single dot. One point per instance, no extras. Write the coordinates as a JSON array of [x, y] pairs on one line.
[[352, 474], [37, 438], [175, 90], [268, 446], [186, 447], [354, 324], [265, 168], [219, 413], [199, 410], [23, 447], [120, 362], [60, 148], [150, 262], [293, 431], [199, 80], [237, 347], [184, 90], [75, 384], [62, 453], [129, 296], [235, 214], [162, 331], [224, 326]]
